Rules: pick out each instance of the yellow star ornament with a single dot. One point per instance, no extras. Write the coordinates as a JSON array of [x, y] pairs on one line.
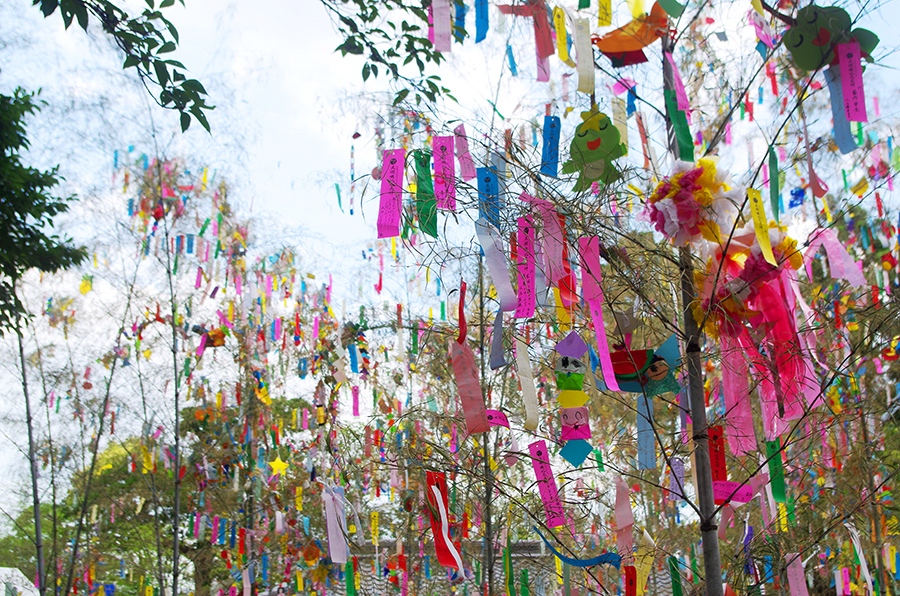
[[278, 466]]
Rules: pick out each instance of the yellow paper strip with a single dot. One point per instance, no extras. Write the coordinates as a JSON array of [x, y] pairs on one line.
[[559, 23], [758, 212]]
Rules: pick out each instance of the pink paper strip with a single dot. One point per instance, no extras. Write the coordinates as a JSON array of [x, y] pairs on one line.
[[796, 577], [466, 165], [471, 398], [444, 173], [591, 278], [726, 490], [526, 297], [543, 69], [355, 391], [736, 388], [391, 193], [680, 95], [840, 264], [852, 82], [552, 237], [497, 418], [199, 277], [202, 345], [540, 461], [441, 16]]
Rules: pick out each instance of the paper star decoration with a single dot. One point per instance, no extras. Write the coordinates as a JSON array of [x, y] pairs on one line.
[[278, 466]]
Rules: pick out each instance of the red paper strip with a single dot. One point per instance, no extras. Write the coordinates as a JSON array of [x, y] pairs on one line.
[[466, 373], [447, 550]]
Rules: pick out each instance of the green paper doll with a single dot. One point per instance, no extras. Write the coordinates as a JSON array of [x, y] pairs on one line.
[[812, 40], [595, 145]]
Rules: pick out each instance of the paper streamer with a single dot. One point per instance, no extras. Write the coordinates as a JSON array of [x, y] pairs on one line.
[[559, 24], [489, 196], [481, 20], [776, 470], [842, 135], [552, 238], [646, 439], [526, 380], [840, 264], [854, 95], [447, 551], [796, 577], [466, 373], [497, 418], [604, 13], [717, 463], [492, 246], [526, 297], [550, 147], [724, 491], [584, 56], [680, 94], [540, 460], [604, 559], [441, 15], [466, 165], [591, 278], [761, 225], [391, 193], [498, 360], [336, 523], [426, 207], [444, 173]]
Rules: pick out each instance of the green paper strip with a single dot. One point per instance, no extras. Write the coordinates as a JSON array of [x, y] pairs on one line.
[[426, 205], [567, 580], [351, 581], [598, 455], [523, 583], [860, 140], [773, 183], [508, 571], [685, 144], [672, 8], [695, 571], [582, 4], [776, 470], [676, 577]]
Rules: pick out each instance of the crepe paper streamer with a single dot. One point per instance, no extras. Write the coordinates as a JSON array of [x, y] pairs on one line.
[[526, 297], [584, 55], [552, 237], [646, 439], [680, 94], [796, 577], [498, 360], [861, 555], [481, 20], [717, 453], [550, 147], [576, 451], [497, 418], [739, 428], [776, 470], [852, 89], [526, 381], [466, 373], [426, 206], [842, 135], [592, 292], [774, 190], [559, 25], [441, 17], [840, 264], [466, 165], [540, 461], [725, 491], [492, 246], [444, 172], [489, 196], [391, 193], [448, 552], [684, 142], [761, 225]]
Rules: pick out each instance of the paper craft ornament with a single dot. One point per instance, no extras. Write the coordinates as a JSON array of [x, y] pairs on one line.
[[818, 29], [624, 46], [573, 414], [648, 371], [596, 144]]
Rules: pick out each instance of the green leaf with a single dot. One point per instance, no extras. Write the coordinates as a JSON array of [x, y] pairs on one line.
[[166, 3], [365, 71], [185, 121], [401, 95], [162, 72], [131, 61], [169, 46]]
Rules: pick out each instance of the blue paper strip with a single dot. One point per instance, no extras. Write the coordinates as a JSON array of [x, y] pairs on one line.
[[645, 438], [842, 135], [489, 196], [512, 61], [604, 559], [497, 359], [481, 20], [550, 148], [354, 362], [459, 21]]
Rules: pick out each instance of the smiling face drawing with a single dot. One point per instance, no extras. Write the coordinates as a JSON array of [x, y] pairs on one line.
[[574, 423], [811, 42], [595, 144]]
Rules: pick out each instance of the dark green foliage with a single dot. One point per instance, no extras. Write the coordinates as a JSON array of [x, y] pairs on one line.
[[146, 40], [27, 209]]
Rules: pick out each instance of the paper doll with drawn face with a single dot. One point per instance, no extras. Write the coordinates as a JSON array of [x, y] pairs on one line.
[[574, 423], [570, 373]]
